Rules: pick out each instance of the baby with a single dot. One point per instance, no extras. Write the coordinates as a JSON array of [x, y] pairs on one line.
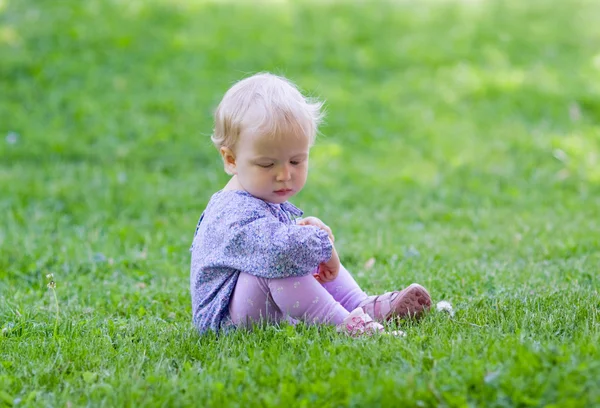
[[253, 258]]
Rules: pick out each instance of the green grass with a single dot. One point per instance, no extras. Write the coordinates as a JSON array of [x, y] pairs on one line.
[[461, 151]]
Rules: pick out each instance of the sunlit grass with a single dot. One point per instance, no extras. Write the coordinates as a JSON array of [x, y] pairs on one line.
[[460, 150]]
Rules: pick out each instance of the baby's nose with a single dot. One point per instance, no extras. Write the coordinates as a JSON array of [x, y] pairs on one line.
[[284, 174]]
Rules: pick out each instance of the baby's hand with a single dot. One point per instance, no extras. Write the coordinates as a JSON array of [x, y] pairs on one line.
[[315, 222], [329, 270]]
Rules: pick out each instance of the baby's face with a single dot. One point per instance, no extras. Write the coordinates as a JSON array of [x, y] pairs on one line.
[[272, 169]]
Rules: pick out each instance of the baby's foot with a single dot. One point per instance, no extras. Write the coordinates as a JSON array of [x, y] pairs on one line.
[[358, 323], [413, 301]]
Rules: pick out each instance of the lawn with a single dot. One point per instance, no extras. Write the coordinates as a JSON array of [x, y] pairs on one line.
[[461, 150]]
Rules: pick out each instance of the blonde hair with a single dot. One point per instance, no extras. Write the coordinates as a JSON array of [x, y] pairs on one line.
[[268, 104]]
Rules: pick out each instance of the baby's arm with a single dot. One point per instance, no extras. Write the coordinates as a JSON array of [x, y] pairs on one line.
[[329, 270], [314, 221], [267, 248]]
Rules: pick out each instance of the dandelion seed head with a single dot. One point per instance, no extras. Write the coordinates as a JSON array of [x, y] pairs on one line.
[[445, 306]]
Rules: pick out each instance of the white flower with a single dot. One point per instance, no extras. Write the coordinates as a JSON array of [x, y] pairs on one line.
[[50, 276], [445, 306]]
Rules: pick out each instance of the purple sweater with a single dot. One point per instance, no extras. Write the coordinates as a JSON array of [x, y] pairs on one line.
[[239, 232]]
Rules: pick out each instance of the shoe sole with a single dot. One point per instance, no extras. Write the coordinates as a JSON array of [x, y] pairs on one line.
[[412, 302]]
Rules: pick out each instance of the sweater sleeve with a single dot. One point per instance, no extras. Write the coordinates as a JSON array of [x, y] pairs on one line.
[[265, 247]]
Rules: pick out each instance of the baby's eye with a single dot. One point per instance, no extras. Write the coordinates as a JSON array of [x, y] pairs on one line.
[[295, 162], [265, 166]]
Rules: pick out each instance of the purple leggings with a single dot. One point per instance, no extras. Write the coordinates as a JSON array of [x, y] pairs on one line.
[[301, 298]]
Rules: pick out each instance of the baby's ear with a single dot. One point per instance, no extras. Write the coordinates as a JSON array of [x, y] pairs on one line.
[[228, 160]]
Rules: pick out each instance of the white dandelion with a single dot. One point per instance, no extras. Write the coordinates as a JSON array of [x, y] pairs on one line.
[[445, 306]]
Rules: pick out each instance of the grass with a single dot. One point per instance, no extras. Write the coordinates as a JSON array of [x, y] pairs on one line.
[[461, 151]]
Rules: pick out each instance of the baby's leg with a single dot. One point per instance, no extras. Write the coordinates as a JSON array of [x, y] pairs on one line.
[[412, 301], [252, 302], [345, 290], [302, 298]]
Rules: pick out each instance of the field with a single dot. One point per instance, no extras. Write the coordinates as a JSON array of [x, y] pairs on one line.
[[461, 150]]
